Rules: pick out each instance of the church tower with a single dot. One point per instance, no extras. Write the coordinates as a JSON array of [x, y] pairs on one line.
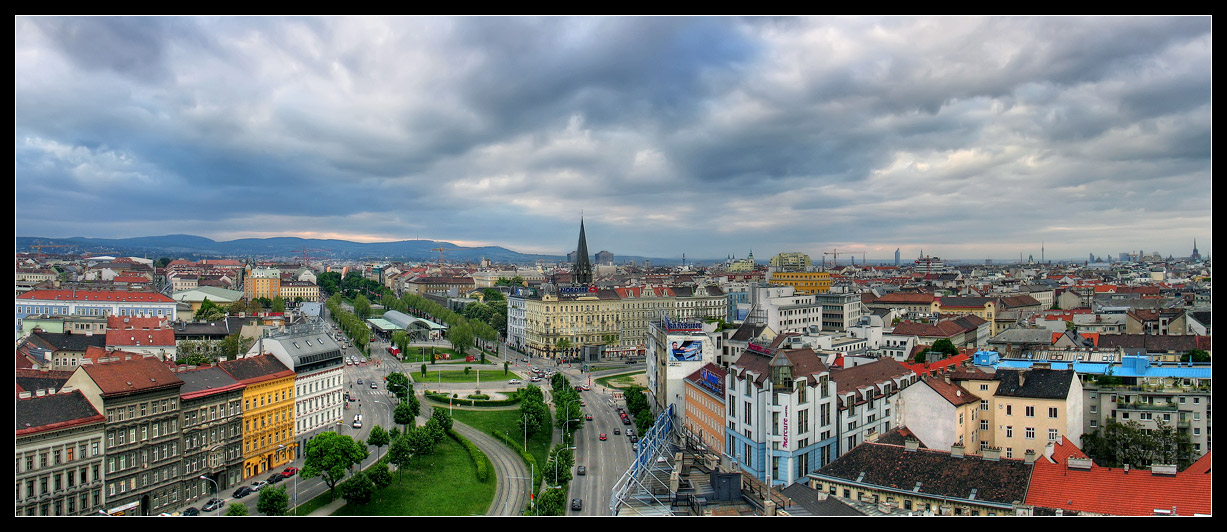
[[583, 265]]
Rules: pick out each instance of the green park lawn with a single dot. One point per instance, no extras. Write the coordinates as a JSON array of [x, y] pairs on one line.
[[443, 483], [507, 422], [458, 376]]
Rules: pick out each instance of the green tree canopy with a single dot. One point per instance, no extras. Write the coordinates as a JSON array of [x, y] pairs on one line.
[[237, 509], [329, 456], [378, 438], [278, 304], [209, 311], [358, 489], [405, 414], [1195, 355], [1116, 444], [273, 500], [380, 475], [945, 346], [362, 307]]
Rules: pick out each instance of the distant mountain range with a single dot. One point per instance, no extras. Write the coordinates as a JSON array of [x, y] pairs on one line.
[[193, 247]]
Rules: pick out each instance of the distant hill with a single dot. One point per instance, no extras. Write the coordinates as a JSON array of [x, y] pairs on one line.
[[195, 247]]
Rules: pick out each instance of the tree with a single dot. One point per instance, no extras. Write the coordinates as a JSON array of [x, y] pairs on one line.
[[423, 368], [358, 489], [506, 367], [552, 501], [399, 385], [234, 345], [274, 500], [209, 311], [278, 305], [380, 475], [434, 429], [1196, 355], [237, 509], [461, 337], [162, 262], [238, 307], [921, 356], [362, 307], [378, 438], [329, 456], [444, 419], [404, 414], [400, 452], [421, 441], [1116, 444], [945, 346]]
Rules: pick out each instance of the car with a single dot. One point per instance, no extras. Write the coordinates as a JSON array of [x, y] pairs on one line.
[[191, 511], [514, 382], [626, 421], [577, 504], [353, 398], [588, 417], [374, 386], [275, 478], [630, 432], [579, 388], [259, 485], [243, 491], [634, 439], [213, 504], [629, 362], [586, 387], [289, 471], [581, 470], [359, 381], [583, 403], [603, 437], [617, 432]]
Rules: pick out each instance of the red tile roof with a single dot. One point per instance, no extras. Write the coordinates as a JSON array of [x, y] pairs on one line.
[[118, 296], [1113, 491], [951, 392], [140, 337], [137, 374]]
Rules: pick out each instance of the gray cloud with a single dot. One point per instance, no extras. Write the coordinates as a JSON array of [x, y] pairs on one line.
[[959, 135]]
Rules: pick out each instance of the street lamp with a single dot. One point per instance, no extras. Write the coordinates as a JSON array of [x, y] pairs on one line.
[[216, 490]]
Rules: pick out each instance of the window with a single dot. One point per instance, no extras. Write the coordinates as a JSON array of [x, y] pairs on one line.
[[1009, 452], [1052, 412], [983, 424], [983, 404], [1030, 433], [1009, 410], [984, 387], [1030, 411], [1053, 435], [1009, 431]]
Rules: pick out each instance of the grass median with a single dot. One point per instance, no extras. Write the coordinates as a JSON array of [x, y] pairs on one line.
[[443, 483]]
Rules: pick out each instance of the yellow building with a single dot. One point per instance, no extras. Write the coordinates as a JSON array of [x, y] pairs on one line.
[[268, 412], [983, 307], [262, 282], [307, 290], [1024, 410], [792, 261], [806, 283]]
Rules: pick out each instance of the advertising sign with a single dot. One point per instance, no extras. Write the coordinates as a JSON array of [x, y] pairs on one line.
[[686, 350], [755, 348]]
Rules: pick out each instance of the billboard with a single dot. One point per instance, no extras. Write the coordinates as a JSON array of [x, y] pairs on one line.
[[685, 350]]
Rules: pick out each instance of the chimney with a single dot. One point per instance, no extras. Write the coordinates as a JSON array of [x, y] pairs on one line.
[[1126, 469], [1029, 457], [911, 444], [956, 450], [1048, 449], [991, 454], [1163, 470]]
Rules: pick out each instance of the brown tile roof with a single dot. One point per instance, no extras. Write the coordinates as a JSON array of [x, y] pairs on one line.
[[256, 369], [136, 374], [883, 369], [805, 363], [951, 391], [906, 297]]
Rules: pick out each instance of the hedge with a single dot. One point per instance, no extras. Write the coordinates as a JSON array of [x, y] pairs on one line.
[[479, 458], [444, 398]]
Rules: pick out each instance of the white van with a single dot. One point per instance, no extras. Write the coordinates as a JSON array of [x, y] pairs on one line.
[[358, 421]]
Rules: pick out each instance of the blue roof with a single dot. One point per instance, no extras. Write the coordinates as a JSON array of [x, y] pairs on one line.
[[1126, 369]]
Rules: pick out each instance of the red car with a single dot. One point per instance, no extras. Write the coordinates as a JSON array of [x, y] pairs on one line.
[[289, 472], [588, 417], [603, 436]]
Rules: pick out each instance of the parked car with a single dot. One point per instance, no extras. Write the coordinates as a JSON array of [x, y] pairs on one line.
[[581, 470], [289, 472], [275, 478], [259, 485], [213, 504], [191, 511], [577, 504], [243, 491]]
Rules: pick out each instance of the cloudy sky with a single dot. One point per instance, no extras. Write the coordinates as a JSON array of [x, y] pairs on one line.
[[961, 137]]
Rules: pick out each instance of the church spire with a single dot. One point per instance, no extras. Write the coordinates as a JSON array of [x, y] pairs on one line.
[[583, 266]]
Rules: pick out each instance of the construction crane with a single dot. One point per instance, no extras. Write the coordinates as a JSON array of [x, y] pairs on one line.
[[306, 259], [39, 245], [835, 262], [440, 250]]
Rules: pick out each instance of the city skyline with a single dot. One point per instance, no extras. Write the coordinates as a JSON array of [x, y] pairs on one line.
[[962, 137]]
